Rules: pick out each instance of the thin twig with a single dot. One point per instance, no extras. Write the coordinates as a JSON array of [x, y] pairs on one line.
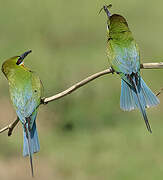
[[151, 65], [76, 86], [94, 76], [159, 92], [11, 126]]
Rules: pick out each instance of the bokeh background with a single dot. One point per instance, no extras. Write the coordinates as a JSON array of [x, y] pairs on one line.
[[85, 135]]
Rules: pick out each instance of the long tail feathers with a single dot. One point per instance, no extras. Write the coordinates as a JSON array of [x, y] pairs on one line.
[[149, 96], [142, 109], [29, 149], [35, 146], [142, 97], [31, 143]]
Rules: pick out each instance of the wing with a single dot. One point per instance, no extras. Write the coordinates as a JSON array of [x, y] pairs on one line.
[[26, 96], [124, 58]]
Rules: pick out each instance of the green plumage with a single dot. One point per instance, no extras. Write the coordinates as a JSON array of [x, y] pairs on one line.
[[20, 80], [25, 91], [122, 50], [124, 57]]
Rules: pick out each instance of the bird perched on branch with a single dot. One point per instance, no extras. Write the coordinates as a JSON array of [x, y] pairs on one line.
[[25, 90], [123, 55]]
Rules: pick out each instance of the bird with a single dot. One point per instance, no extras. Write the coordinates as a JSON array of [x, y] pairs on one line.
[[25, 90], [124, 57]]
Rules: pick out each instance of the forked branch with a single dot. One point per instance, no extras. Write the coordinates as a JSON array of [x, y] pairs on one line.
[[76, 86]]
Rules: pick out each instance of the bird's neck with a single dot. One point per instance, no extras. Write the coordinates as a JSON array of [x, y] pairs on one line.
[[17, 75], [121, 37]]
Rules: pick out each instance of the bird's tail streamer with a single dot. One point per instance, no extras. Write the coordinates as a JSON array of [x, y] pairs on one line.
[[31, 143], [138, 97], [28, 136]]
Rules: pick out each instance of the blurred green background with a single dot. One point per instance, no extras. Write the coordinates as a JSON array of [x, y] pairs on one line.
[[84, 136]]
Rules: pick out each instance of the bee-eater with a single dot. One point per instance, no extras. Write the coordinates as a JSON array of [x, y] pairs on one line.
[[123, 55], [25, 90]]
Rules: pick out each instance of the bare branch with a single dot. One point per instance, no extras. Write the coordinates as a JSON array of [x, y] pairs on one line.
[[76, 86], [94, 76], [11, 126], [159, 92], [152, 65]]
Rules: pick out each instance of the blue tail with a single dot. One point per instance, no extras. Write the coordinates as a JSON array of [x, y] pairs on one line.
[[31, 142], [139, 97], [34, 141]]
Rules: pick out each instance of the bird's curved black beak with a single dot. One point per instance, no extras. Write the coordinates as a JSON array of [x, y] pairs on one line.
[[105, 8], [107, 11], [21, 57]]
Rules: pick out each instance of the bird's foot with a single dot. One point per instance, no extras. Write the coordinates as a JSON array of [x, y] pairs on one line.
[[43, 101], [112, 70]]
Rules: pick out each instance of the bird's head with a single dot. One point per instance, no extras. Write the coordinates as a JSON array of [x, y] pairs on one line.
[[14, 63], [115, 23]]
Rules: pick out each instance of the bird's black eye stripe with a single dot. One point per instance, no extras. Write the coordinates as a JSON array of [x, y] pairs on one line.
[[19, 60]]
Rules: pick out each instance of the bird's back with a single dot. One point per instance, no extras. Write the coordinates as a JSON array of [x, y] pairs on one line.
[[123, 54], [25, 90]]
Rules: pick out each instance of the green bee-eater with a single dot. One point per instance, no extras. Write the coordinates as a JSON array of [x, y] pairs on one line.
[[25, 90], [124, 58]]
